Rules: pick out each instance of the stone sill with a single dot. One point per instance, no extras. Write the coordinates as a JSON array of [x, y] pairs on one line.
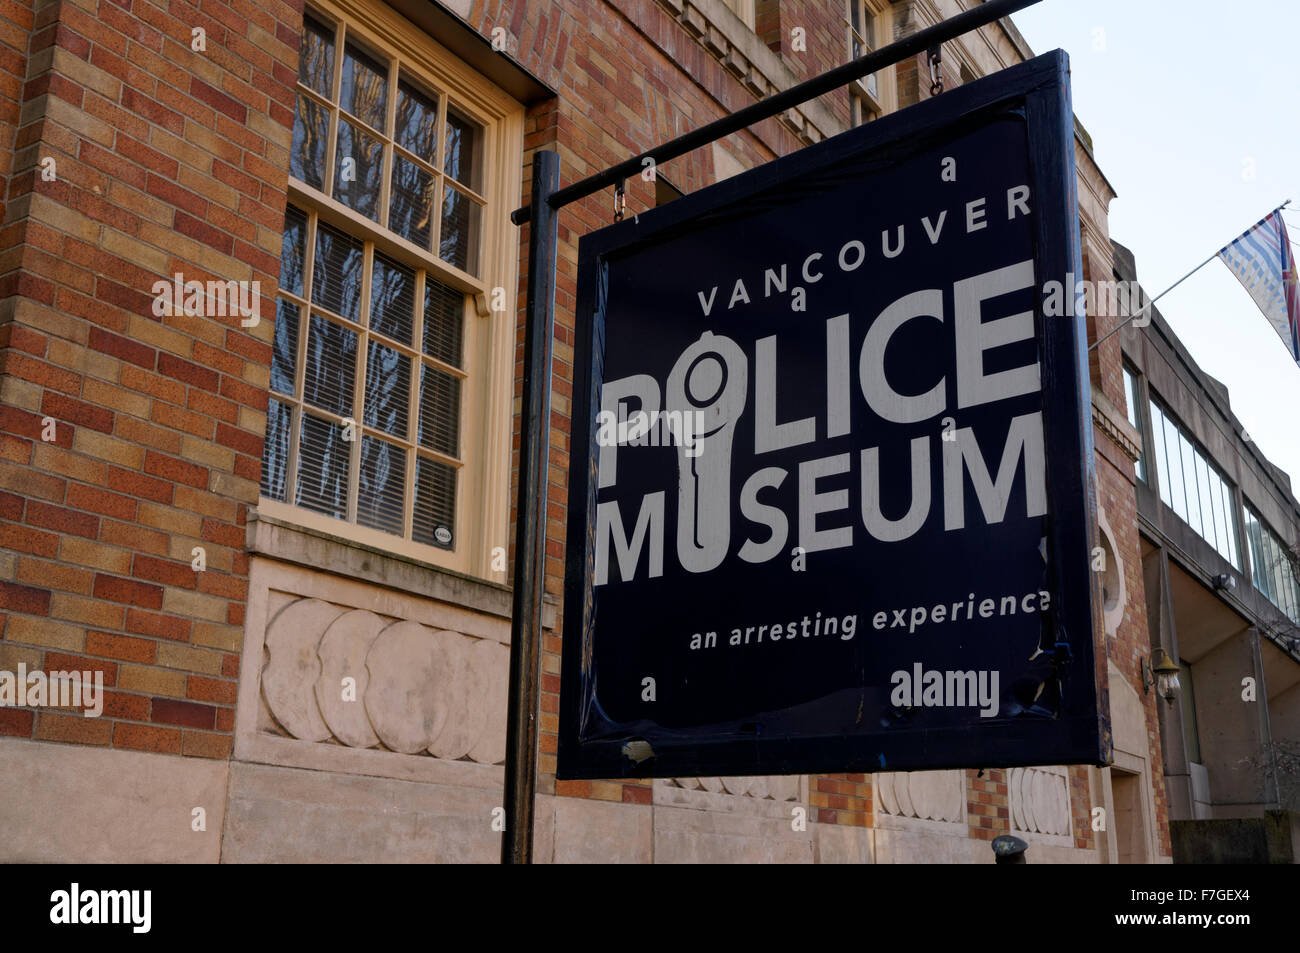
[[326, 552]]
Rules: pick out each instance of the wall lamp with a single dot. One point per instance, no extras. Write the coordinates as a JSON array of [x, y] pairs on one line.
[[1225, 581], [1160, 670]]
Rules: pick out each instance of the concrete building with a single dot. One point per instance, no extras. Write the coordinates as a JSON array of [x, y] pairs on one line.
[[1218, 527], [229, 518]]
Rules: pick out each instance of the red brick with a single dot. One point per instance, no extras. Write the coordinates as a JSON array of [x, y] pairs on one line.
[[102, 502], [169, 712], [61, 519], [121, 647], [62, 662], [117, 589], [22, 539], [213, 690], [172, 468], [137, 484], [16, 723], [25, 599], [146, 738], [123, 348], [189, 372], [165, 571]]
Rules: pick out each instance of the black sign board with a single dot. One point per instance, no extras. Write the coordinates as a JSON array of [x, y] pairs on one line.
[[831, 488]]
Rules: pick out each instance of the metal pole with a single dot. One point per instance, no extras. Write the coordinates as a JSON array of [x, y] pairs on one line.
[[1147, 307], [530, 516], [929, 38]]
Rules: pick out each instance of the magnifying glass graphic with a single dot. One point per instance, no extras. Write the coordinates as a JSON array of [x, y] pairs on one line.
[[709, 384]]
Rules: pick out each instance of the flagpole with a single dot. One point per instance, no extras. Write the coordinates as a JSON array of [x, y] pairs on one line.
[[1147, 306]]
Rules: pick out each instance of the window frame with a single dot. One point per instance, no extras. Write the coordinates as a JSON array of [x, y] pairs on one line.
[[865, 105], [486, 403]]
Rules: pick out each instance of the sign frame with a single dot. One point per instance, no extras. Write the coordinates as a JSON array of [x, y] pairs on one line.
[[1039, 90]]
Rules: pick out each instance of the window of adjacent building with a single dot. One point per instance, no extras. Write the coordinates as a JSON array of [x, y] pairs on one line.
[[1135, 418], [745, 9], [1190, 484], [1270, 566], [866, 22], [381, 365]]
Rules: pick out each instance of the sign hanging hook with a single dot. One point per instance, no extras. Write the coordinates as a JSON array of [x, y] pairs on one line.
[[935, 55], [620, 199]]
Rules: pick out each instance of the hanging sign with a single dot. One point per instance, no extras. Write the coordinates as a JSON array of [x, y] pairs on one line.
[[831, 490]]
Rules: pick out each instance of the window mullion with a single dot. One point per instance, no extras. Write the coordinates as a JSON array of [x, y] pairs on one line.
[[413, 421], [390, 137], [359, 387]]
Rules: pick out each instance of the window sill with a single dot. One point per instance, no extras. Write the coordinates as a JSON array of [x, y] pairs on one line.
[[311, 548]]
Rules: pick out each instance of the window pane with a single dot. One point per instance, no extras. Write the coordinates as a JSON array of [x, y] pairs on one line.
[[358, 169], [392, 299], [444, 310], [464, 139], [459, 231], [1227, 529], [439, 411], [411, 202], [1207, 505], [331, 366], [1193, 514], [1158, 454], [381, 491], [316, 59], [310, 135], [275, 452], [284, 347], [417, 122], [323, 467], [336, 278], [365, 87], [435, 504], [388, 390], [1177, 494], [291, 250]]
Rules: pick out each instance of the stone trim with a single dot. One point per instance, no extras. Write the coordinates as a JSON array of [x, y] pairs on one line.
[[726, 37], [1115, 425], [314, 549]]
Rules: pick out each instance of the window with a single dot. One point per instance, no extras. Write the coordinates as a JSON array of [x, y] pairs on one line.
[[1190, 484], [383, 413], [866, 23], [1271, 569], [1135, 418], [745, 9]]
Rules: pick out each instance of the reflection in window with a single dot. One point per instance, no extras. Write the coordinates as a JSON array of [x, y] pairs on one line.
[[1271, 568], [1135, 418], [433, 201], [1191, 485]]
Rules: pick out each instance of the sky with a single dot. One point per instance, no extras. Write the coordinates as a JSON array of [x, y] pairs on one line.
[[1192, 110]]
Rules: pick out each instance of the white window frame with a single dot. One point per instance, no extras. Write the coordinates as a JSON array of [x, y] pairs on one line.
[[871, 96], [486, 403]]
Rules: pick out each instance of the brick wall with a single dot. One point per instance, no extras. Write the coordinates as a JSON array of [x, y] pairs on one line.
[[167, 160]]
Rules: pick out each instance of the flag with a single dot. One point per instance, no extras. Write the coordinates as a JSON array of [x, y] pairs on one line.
[[1263, 262]]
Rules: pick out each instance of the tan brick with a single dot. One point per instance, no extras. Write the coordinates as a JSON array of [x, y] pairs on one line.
[[108, 448], [208, 504], [196, 605], [252, 420], [62, 218], [115, 398], [150, 681], [46, 456], [155, 335], [73, 728], [19, 393], [26, 630], [90, 612], [85, 360], [229, 638], [170, 519], [13, 655], [136, 252], [84, 552], [188, 658], [211, 455]]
